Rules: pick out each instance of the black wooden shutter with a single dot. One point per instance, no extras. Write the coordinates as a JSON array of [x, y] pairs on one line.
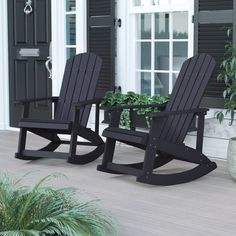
[[101, 40], [211, 19]]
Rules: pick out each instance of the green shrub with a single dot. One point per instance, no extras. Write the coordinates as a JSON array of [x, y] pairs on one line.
[[228, 76], [131, 98], [42, 211]]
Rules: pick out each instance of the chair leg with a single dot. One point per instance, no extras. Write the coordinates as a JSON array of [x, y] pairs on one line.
[[108, 155], [149, 160], [21, 142], [73, 144]]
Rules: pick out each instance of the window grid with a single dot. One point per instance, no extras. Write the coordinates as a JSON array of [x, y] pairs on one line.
[[153, 40], [70, 48]]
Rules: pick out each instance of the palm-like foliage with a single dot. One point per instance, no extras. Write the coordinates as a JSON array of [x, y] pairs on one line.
[[43, 211]]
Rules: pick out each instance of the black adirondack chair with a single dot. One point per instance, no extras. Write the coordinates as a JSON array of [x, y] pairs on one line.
[[165, 140], [72, 109]]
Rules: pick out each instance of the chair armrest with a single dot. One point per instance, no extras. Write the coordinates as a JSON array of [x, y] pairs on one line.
[[26, 104], [23, 101], [96, 101], [180, 112], [122, 107]]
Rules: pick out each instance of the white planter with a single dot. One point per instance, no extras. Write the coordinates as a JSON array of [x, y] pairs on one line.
[[231, 157]]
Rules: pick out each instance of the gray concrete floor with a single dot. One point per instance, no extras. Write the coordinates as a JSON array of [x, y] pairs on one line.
[[206, 206]]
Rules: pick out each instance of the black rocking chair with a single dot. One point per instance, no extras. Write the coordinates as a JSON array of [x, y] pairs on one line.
[[164, 142], [72, 109]]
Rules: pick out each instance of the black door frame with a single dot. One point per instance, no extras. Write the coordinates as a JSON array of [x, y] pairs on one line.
[[31, 40]]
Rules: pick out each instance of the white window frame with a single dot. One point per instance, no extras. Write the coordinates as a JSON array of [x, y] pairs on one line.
[[131, 68], [4, 68], [59, 38], [71, 13]]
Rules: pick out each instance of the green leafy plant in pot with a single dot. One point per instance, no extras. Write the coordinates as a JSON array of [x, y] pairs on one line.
[[228, 75], [42, 211], [131, 98]]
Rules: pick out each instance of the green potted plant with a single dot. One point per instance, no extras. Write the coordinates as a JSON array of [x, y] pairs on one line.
[[228, 76], [43, 210], [139, 116]]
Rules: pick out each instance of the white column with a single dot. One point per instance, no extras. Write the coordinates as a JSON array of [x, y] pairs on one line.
[[4, 76], [58, 44], [123, 66], [191, 29], [81, 26]]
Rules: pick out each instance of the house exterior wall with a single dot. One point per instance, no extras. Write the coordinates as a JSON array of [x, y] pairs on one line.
[[215, 137], [58, 42], [4, 97]]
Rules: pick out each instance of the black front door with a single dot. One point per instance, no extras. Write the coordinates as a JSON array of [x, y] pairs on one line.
[[29, 38]]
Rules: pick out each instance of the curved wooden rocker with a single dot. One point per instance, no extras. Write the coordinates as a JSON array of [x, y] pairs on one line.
[[165, 140], [72, 109]]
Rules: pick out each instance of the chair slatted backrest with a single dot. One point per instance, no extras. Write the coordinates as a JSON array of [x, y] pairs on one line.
[[79, 84], [187, 94]]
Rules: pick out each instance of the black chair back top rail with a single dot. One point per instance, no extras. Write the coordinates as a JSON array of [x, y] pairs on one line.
[[187, 94], [81, 75]]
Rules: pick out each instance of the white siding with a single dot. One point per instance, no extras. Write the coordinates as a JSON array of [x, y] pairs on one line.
[[4, 97]]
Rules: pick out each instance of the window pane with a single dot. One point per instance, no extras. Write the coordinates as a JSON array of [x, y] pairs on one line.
[[180, 25], [162, 56], [151, 2], [70, 5], [142, 2], [180, 54], [137, 2], [160, 2], [144, 26], [146, 83], [70, 30], [144, 51], [162, 26], [162, 83], [179, 2], [70, 52]]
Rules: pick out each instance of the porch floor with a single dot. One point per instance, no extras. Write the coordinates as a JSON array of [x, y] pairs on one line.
[[205, 207]]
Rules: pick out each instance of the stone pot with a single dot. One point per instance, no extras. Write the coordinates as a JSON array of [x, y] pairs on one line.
[[231, 157]]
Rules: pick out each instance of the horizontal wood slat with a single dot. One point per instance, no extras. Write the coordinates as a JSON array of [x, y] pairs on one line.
[[212, 39], [206, 5], [99, 8], [126, 135], [100, 40]]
